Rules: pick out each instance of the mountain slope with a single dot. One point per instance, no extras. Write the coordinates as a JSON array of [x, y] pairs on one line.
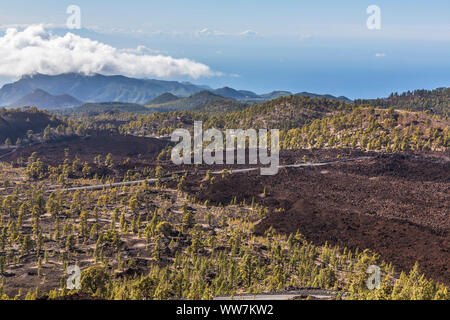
[[245, 95], [436, 101], [327, 96], [100, 88], [96, 88], [164, 98], [228, 92], [43, 100], [368, 128], [285, 112], [275, 95], [15, 123], [195, 101], [216, 107], [92, 109]]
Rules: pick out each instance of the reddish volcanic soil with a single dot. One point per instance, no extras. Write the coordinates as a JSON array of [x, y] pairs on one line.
[[396, 205], [86, 148]]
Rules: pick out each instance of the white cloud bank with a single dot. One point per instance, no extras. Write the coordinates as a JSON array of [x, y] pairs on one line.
[[35, 50]]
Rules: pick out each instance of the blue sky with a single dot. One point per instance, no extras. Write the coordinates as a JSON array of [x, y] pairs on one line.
[[319, 46]]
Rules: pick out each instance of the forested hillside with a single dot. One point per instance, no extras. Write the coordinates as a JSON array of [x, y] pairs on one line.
[[373, 129], [436, 101], [111, 201], [20, 124], [318, 123]]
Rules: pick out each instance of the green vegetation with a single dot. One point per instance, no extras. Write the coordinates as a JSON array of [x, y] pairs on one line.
[[90, 109], [436, 101], [31, 125], [315, 123], [372, 129], [201, 101], [152, 243]]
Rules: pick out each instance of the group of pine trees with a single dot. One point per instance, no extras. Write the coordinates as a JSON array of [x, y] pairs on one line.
[[189, 249], [372, 129], [310, 123], [28, 125], [437, 101]]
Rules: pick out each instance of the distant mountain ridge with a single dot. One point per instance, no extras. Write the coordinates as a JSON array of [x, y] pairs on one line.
[[163, 98], [203, 101], [96, 88], [235, 94], [195, 101], [327, 96], [42, 99], [100, 88]]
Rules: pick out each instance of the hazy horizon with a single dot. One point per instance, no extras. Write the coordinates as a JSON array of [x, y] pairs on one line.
[[322, 47]]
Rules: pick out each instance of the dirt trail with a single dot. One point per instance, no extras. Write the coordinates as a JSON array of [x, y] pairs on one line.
[[199, 172]]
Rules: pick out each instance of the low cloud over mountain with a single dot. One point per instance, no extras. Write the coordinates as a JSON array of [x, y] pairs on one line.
[[35, 50]]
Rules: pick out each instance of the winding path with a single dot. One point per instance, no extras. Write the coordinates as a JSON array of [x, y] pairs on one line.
[[168, 178]]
